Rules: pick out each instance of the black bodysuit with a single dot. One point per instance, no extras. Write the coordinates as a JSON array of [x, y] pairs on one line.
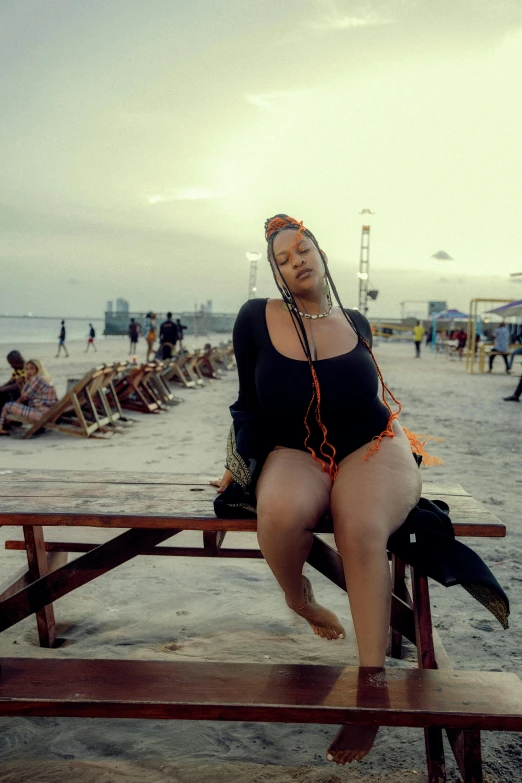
[[280, 388]]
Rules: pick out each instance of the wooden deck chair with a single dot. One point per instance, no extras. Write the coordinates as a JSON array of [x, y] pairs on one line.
[[175, 373], [208, 364], [74, 414], [191, 364], [160, 386], [226, 355], [106, 399], [133, 390]]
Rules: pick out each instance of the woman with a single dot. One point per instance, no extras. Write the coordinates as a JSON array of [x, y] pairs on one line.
[[38, 396], [308, 398], [150, 333]]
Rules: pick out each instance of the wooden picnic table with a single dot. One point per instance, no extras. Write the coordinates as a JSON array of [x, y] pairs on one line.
[[154, 507]]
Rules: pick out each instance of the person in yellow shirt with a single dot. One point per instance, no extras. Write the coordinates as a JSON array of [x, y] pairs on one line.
[[418, 334]]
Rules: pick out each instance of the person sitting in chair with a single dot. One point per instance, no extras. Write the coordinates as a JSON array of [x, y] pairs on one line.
[[38, 396], [12, 389]]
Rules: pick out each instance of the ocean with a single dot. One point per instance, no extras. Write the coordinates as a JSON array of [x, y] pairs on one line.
[[44, 330]]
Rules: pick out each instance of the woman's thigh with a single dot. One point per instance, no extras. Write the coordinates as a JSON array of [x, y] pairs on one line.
[[372, 498], [292, 490]]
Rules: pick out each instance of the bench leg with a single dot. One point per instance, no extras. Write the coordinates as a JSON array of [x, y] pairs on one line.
[[39, 565], [399, 589], [468, 755], [426, 658]]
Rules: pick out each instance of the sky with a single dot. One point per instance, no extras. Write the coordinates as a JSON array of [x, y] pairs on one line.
[[145, 142]]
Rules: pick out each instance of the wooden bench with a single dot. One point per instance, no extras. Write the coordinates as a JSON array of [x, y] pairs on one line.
[[434, 697]]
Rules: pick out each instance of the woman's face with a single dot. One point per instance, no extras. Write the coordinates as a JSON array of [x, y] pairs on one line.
[[31, 370], [298, 263]]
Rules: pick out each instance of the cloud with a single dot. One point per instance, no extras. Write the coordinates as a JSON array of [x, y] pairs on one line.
[[333, 23], [441, 255], [184, 194], [269, 101]]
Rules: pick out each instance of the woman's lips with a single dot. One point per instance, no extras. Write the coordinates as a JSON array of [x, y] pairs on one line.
[[303, 273]]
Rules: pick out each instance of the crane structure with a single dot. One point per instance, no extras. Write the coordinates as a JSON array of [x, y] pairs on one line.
[[252, 258], [364, 270]]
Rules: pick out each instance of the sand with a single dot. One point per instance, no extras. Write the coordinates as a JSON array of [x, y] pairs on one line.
[[233, 610]]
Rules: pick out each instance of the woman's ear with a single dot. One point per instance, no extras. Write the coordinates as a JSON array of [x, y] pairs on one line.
[[323, 256]]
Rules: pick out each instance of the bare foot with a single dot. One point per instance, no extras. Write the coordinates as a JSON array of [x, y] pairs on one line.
[[351, 743], [324, 622]]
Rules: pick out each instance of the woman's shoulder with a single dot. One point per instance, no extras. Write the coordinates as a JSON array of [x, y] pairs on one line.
[[361, 322], [252, 308]]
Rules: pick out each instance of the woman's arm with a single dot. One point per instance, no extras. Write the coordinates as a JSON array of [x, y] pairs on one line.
[[241, 445]]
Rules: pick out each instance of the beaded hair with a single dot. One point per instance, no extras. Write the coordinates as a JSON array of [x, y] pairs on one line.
[[327, 451]]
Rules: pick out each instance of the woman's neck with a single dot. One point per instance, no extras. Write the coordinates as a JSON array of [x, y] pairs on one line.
[[313, 304]]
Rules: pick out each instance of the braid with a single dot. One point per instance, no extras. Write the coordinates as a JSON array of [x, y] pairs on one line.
[[327, 451]]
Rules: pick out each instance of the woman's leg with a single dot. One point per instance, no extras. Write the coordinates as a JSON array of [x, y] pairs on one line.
[[293, 493], [370, 500], [18, 409]]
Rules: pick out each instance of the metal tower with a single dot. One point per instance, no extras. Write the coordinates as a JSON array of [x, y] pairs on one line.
[[364, 270], [252, 258]]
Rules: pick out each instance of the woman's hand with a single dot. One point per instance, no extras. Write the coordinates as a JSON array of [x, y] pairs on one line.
[[224, 482]]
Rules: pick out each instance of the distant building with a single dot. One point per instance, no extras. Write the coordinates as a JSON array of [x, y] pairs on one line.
[[108, 309], [122, 306]]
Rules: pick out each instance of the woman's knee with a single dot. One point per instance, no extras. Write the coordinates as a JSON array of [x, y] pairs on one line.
[[284, 515], [360, 536]]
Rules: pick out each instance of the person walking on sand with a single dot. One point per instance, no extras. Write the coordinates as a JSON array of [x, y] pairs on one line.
[[418, 334], [515, 397], [61, 341], [91, 338], [38, 396], [134, 335], [500, 346]]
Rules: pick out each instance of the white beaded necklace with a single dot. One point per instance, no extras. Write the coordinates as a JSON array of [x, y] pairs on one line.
[[319, 315]]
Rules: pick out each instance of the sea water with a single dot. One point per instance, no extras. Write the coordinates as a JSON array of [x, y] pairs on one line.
[[19, 331]]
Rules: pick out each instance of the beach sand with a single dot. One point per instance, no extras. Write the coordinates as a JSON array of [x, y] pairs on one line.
[[232, 610]]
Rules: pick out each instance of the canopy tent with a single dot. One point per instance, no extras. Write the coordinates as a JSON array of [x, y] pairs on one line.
[[510, 309], [451, 315]]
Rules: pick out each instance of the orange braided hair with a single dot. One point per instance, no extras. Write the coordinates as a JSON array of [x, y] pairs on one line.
[[272, 227]]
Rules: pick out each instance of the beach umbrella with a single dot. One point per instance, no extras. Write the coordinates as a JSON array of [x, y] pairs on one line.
[[510, 309], [451, 315]]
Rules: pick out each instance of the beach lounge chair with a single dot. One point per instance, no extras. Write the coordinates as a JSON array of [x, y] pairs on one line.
[[76, 413], [134, 390], [176, 372]]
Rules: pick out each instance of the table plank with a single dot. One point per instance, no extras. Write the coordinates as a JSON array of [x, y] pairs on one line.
[[63, 499], [274, 692], [18, 475]]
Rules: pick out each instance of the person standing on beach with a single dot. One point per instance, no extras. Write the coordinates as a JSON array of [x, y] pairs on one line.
[[181, 328], [61, 341], [91, 338], [11, 390], [168, 337], [500, 346], [418, 334], [150, 333], [134, 335]]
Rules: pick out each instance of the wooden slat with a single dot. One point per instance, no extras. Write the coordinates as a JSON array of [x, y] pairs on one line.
[[166, 551], [257, 692], [136, 477], [186, 506]]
